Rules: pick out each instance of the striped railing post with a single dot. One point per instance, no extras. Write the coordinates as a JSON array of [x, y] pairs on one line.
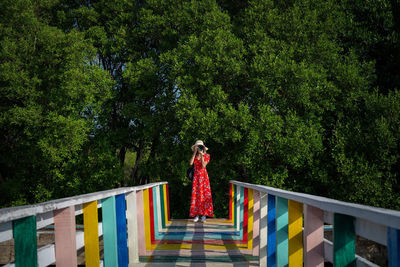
[[263, 229], [250, 218], [282, 240], [237, 208], [393, 245], [314, 236], [65, 237], [121, 230], [108, 209], [141, 222], [25, 242], [132, 220], [271, 247], [344, 245], [91, 234], [256, 223], [295, 233]]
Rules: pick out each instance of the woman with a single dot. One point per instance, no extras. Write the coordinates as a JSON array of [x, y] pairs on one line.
[[201, 203]]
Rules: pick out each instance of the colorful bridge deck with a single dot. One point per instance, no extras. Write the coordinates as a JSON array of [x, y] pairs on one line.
[[266, 227]]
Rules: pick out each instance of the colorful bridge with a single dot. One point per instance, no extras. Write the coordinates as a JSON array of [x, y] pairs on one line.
[[266, 227]]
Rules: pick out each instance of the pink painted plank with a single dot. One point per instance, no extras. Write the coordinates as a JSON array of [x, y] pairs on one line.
[[65, 237], [140, 223], [313, 236], [256, 222]]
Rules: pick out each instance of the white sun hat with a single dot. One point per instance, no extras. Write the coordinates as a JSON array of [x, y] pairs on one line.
[[199, 143]]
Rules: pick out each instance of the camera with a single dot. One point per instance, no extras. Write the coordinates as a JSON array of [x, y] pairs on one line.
[[201, 148]]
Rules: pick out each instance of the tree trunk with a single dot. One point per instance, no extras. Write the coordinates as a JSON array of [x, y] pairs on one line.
[[135, 170], [121, 156]]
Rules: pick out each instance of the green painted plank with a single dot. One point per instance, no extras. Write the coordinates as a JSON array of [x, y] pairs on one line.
[[109, 231], [282, 241], [25, 242], [162, 206], [344, 245]]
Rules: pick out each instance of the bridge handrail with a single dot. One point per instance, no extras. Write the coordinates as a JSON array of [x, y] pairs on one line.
[[13, 213], [377, 215]]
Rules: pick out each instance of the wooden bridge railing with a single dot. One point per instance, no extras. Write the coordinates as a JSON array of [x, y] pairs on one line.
[[290, 227], [276, 227], [118, 228]]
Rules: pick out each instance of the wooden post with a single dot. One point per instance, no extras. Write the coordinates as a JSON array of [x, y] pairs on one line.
[[91, 234], [140, 222], [295, 233], [256, 223], [109, 231], [393, 245], [271, 247], [344, 245], [238, 208], [121, 230], [25, 242], [282, 238], [230, 202], [314, 236], [263, 229], [250, 219], [131, 216], [65, 237]]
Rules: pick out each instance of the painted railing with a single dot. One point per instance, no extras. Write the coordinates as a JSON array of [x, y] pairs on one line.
[[120, 210], [288, 227], [269, 225]]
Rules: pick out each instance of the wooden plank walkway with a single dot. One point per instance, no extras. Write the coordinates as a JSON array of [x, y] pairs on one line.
[[213, 243]]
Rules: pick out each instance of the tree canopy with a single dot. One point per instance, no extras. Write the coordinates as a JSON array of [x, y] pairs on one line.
[[301, 95]]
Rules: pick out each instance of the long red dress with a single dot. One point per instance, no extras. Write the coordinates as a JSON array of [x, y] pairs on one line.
[[201, 203]]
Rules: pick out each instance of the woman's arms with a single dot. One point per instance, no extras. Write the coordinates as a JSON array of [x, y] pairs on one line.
[[193, 156]]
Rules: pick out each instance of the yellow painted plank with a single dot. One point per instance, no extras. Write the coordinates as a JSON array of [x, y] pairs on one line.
[[146, 210], [165, 204], [250, 220], [91, 234], [295, 233]]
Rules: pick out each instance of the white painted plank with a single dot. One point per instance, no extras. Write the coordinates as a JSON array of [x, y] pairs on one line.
[[44, 219], [46, 255], [6, 231], [328, 250], [377, 215], [13, 213], [328, 217], [361, 262], [237, 207], [372, 231], [263, 232], [133, 241]]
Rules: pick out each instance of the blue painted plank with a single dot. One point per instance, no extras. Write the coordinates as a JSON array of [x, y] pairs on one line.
[[393, 246], [271, 242], [109, 231], [121, 230], [241, 210]]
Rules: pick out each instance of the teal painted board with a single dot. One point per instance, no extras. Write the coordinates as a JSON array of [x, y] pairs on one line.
[[344, 245], [155, 210], [393, 246], [25, 242], [241, 210], [162, 206], [282, 241], [109, 232]]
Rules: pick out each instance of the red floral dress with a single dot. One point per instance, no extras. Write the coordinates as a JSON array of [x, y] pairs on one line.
[[201, 203]]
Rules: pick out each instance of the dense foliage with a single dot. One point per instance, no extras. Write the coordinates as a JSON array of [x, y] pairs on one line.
[[301, 95]]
